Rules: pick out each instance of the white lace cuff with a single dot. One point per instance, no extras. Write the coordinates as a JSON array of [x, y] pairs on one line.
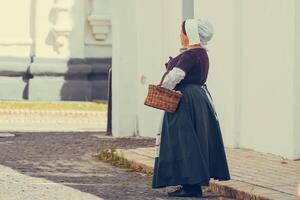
[[173, 78]]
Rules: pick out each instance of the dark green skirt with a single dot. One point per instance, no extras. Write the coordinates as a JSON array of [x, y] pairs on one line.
[[191, 147]]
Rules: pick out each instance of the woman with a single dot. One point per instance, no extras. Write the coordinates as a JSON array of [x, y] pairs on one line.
[[191, 147]]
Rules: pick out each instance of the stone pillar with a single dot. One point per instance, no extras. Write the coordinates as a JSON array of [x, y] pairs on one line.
[[124, 68], [15, 48], [187, 9], [158, 38], [142, 42]]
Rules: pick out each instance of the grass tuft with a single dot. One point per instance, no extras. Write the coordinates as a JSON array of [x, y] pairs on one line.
[[112, 156]]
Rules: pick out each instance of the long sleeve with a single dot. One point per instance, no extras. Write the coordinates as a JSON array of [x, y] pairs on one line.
[[173, 78]]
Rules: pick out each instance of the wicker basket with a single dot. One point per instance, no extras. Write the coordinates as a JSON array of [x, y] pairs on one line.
[[162, 98]]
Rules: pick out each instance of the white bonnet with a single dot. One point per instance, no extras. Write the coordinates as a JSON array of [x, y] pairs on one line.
[[198, 31]]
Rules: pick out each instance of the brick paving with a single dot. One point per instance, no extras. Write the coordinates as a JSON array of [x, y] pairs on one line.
[[66, 159], [254, 175]]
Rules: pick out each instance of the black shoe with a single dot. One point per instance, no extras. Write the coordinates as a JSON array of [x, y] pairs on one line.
[[180, 192]]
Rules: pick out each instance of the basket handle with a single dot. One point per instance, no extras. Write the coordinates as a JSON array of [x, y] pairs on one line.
[[163, 77]]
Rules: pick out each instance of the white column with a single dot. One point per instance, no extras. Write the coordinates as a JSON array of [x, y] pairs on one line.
[[188, 9], [158, 38], [142, 42], [124, 68], [297, 82]]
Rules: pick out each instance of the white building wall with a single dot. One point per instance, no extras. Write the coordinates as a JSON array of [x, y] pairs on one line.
[[268, 40], [252, 73], [224, 53], [143, 40], [158, 38]]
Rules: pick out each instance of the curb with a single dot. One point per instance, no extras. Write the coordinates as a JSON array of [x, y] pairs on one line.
[[231, 189]]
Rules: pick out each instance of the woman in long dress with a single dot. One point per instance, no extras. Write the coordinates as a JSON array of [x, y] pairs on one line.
[[191, 146]]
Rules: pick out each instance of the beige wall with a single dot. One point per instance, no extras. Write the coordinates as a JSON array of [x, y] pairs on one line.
[[15, 35]]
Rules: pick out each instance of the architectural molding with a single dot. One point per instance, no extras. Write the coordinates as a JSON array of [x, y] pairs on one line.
[[62, 27], [101, 26], [100, 20]]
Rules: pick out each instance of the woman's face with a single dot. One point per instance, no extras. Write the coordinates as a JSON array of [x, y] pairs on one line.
[[184, 39]]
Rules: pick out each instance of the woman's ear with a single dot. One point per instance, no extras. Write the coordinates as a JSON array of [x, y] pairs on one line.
[[187, 40]]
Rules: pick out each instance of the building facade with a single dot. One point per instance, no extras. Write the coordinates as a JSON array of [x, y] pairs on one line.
[[62, 49], [55, 50], [254, 67]]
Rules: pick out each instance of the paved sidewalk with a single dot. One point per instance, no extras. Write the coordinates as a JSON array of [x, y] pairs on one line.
[[49, 120], [254, 175], [17, 186], [66, 159]]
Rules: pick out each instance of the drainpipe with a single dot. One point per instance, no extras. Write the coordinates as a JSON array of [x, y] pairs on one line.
[[109, 109]]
